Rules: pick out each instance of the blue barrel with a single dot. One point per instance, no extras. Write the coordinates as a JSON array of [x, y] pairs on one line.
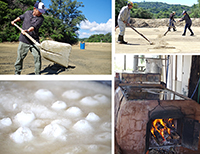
[[82, 45]]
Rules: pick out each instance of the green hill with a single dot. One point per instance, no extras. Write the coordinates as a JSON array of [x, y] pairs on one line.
[[162, 10]]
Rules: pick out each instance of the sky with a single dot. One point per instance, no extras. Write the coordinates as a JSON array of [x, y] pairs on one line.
[[182, 2], [98, 15]]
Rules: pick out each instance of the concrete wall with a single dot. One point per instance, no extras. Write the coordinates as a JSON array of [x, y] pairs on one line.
[[179, 73]]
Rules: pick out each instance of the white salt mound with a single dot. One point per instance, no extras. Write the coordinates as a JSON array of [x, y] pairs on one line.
[[21, 135], [83, 126], [24, 118], [44, 94], [89, 101], [54, 130], [6, 122], [72, 94], [59, 105], [101, 98], [73, 112], [92, 117], [96, 100]]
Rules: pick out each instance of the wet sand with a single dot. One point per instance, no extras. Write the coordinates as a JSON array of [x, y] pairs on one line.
[[94, 59], [172, 43]]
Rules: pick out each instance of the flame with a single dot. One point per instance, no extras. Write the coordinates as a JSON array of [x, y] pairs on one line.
[[160, 122]]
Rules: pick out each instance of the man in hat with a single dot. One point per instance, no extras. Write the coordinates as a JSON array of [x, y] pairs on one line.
[[32, 20], [188, 23], [123, 20], [171, 21]]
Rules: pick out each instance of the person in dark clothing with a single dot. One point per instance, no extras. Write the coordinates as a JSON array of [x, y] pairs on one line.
[[32, 20], [171, 21], [188, 23]]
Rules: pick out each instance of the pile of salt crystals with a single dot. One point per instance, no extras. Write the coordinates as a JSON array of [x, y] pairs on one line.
[[63, 117]]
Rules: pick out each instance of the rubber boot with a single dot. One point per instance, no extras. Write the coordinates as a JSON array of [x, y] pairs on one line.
[[123, 40], [120, 37], [192, 34]]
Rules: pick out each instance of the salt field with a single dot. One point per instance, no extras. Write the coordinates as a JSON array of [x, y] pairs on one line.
[[55, 117]]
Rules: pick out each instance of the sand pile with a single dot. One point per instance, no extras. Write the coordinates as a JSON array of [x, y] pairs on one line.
[[155, 23]]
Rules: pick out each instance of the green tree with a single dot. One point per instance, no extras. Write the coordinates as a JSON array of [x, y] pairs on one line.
[[9, 11], [118, 5], [195, 13], [60, 21], [66, 11], [3, 11], [99, 38], [138, 12]]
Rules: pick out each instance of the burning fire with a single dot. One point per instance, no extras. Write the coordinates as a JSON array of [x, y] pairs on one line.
[[161, 125]]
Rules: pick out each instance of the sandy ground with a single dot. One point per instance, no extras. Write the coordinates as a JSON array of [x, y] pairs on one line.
[[172, 43], [94, 59]]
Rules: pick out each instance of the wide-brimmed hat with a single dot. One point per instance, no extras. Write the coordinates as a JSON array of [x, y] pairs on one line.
[[40, 7]]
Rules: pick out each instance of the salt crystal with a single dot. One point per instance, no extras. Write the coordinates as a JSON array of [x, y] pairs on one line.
[[73, 112], [101, 98], [14, 106], [83, 126], [44, 94], [59, 105], [92, 117], [21, 135], [6, 121], [89, 101], [54, 130], [96, 100], [24, 118], [72, 94]]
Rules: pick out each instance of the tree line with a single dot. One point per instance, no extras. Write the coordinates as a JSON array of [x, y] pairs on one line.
[[60, 23], [98, 38]]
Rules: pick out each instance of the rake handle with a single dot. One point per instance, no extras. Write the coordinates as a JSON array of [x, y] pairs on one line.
[[27, 35], [141, 34]]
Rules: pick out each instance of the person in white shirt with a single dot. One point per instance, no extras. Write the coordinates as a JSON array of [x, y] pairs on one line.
[[123, 20]]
